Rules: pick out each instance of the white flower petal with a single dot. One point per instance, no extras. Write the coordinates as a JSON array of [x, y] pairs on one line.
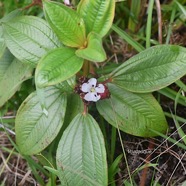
[[85, 87], [67, 2], [92, 82], [100, 88], [96, 97], [92, 97], [88, 97]]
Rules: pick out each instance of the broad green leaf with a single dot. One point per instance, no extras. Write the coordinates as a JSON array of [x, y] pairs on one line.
[[34, 130], [97, 14], [94, 50], [11, 15], [132, 113], [66, 23], [2, 42], [14, 75], [5, 61], [81, 154], [56, 66], [42, 99], [68, 85], [2, 46], [29, 38], [74, 107], [152, 69]]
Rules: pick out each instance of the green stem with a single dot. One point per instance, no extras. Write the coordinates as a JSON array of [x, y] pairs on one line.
[[181, 85], [149, 22], [86, 68], [170, 25]]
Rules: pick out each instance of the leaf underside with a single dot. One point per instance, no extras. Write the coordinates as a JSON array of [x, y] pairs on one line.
[[152, 69], [81, 155], [132, 113], [29, 38], [34, 130], [12, 74]]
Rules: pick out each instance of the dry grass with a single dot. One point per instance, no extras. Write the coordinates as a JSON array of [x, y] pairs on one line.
[[13, 168]]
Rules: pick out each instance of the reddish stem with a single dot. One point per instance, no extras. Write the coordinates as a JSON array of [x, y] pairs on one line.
[[109, 80], [85, 109], [145, 170], [34, 3]]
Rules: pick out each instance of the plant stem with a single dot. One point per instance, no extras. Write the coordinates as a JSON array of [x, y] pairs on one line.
[[86, 68], [34, 3], [158, 7], [170, 25], [149, 22], [109, 80], [85, 109], [143, 178]]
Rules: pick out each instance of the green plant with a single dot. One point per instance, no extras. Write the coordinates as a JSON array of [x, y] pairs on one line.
[[63, 50]]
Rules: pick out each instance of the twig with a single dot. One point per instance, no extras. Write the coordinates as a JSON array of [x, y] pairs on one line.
[[175, 168], [7, 129], [16, 168], [24, 179]]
